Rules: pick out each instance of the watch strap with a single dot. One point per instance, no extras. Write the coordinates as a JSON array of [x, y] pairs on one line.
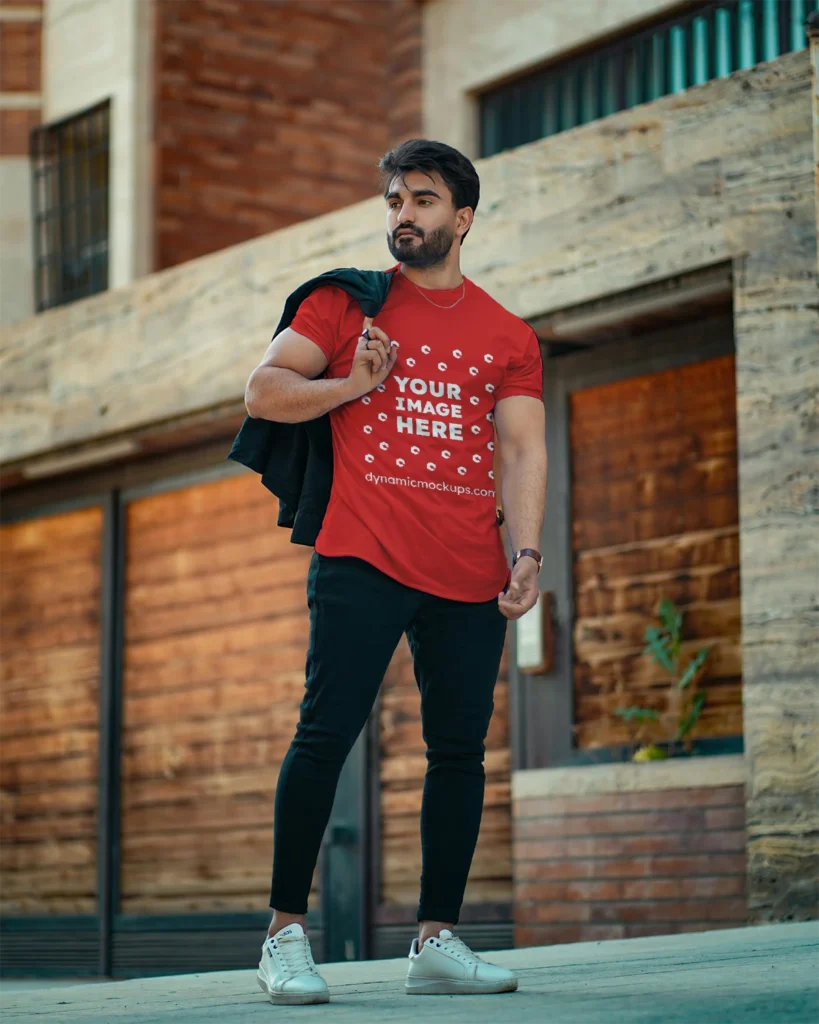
[[528, 551]]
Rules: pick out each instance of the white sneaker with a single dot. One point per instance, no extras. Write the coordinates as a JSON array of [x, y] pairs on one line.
[[447, 966], [287, 972]]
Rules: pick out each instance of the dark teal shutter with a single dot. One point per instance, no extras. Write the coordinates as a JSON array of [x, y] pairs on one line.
[[710, 42]]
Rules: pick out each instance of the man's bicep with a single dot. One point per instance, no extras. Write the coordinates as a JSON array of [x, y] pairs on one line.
[[520, 421], [293, 351]]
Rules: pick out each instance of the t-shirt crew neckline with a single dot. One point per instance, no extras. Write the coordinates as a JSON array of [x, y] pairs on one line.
[[438, 296]]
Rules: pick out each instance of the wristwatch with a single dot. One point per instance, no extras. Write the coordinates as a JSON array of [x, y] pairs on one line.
[[532, 554]]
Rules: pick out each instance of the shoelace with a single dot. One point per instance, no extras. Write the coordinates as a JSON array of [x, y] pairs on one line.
[[459, 948], [296, 956]]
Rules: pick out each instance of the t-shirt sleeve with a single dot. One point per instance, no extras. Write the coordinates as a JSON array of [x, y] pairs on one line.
[[524, 372], [319, 318]]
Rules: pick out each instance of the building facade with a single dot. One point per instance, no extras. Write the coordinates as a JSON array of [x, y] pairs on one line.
[[649, 204]]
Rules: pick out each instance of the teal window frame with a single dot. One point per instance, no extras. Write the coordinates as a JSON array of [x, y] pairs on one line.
[[710, 41]]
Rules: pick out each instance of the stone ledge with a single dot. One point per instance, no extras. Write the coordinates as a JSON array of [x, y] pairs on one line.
[[676, 773]]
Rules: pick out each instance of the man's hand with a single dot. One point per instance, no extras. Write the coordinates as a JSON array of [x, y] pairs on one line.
[[371, 366], [523, 589]]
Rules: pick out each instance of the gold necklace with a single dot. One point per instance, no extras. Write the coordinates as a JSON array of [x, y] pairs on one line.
[[429, 300]]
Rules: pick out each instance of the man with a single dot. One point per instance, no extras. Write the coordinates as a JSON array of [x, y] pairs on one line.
[[410, 543]]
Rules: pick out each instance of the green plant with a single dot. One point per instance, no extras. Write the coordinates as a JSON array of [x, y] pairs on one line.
[[685, 701]]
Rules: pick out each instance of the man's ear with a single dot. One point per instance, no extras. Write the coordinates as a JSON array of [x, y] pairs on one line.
[[464, 220]]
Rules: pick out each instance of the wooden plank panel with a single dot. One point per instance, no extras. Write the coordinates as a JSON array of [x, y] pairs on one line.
[[221, 554], [655, 513], [247, 522], [25, 903], [52, 715], [709, 547], [253, 725], [703, 620], [229, 495], [698, 585], [282, 692], [669, 448], [477, 891], [220, 812], [245, 897], [43, 588], [49, 739], [266, 661], [19, 668], [214, 759], [216, 640], [79, 768], [409, 769], [661, 486], [252, 577], [258, 603], [691, 514], [216, 630], [688, 396], [51, 745]]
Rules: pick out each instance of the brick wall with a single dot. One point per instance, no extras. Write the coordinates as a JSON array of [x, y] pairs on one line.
[[268, 112], [20, 56], [616, 865]]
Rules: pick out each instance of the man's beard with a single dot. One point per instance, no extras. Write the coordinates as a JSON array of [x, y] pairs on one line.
[[431, 251]]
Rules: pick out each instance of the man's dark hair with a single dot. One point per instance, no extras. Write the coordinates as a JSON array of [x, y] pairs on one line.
[[455, 169]]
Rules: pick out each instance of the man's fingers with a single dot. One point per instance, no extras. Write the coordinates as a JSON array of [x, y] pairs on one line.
[[512, 609], [375, 359], [377, 334], [376, 348]]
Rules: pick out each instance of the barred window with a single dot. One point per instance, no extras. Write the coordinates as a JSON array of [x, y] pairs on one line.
[[70, 184], [711, 41]]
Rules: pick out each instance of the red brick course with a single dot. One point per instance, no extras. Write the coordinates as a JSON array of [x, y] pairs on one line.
[[270, 113], [20, 56], [15, 129], [20, 59], [625, 864]]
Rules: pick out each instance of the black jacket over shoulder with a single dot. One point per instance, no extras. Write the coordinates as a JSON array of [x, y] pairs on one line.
[[295, 460]]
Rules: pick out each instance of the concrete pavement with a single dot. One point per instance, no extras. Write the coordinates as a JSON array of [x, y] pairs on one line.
[[765, 975]]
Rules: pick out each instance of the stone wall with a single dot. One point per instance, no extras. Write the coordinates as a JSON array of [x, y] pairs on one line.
[[20, 112], [723, 172], [272, 113], [96, 50], [530, 33], [611, 852]]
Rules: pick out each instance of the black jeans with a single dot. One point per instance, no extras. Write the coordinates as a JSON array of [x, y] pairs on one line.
[[357, 617]]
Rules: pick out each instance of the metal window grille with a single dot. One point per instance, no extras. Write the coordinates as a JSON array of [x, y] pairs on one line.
[[70, 173], [709, 42]]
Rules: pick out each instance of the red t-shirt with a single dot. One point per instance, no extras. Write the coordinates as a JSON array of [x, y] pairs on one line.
[[413, 491]]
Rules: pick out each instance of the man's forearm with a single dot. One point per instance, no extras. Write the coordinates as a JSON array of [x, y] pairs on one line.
[[523, 488], [285, 396]]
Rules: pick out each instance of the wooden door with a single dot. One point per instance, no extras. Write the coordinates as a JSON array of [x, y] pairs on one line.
[[216, 630], [49, 732], [654, 515]]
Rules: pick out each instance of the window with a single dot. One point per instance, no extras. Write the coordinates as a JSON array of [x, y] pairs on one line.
[[709, 42], [70, 168]]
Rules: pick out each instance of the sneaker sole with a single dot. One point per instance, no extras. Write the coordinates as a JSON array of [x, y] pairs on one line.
[[292, 998], [451, 987]]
